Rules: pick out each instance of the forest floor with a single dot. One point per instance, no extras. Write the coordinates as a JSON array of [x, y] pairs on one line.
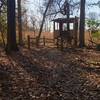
[[49, 74]]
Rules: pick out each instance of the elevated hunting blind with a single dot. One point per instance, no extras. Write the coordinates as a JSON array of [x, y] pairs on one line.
[[65, 31]]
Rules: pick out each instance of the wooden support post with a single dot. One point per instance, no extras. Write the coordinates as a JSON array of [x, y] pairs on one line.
[[37, 42], [28, 37], [75, 31], [57, 26], [44, 41], [57, 43], [62, 47], [61, 29], [54, 28]]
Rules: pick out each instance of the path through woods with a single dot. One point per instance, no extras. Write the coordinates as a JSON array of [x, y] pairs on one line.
[[48, 74]]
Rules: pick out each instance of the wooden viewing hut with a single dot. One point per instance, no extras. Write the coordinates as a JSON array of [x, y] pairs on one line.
[[64, 35]]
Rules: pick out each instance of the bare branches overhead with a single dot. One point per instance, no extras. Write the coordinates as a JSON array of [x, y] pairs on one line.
[[3, 3], [95, 4]]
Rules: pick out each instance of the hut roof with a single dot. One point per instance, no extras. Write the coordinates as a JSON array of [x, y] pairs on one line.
[[64, 20]]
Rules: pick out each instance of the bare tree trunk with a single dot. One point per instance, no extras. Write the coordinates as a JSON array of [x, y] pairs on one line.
[[19, 22], [43, 20], [68, 15], [82, 24], [67, 12], [11, 27]]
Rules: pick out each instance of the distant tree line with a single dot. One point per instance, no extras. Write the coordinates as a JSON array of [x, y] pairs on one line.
[[50, 9]]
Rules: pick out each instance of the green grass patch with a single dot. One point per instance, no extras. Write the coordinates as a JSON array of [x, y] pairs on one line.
[[96, 35]]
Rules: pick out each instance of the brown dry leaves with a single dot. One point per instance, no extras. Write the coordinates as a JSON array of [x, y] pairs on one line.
[[48, 74]]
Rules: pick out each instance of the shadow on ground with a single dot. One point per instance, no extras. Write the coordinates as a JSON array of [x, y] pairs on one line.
[[48, 74]]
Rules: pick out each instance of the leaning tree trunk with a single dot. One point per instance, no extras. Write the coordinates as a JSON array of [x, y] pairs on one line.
[[43, 20], [11, 27], [19, 22], [82, 24]]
